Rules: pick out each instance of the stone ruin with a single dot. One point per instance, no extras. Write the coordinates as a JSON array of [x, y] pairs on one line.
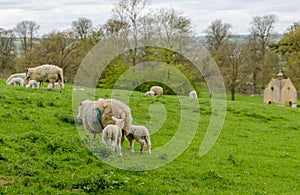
[[281, 91]]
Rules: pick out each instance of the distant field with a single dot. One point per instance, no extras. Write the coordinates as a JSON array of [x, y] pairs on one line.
[[41, 150]]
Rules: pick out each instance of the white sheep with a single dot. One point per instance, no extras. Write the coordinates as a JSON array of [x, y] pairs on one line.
[[46, 72], [193, 94], [158, 90], [16, 75], [96, 115], [16, 81], [112, 135], [33, 84], [140, 134], [56, 86], [150, 93]]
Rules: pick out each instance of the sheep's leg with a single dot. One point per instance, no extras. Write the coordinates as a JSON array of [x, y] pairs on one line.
[[94, 136], [142, 142], [119, 147], [131, 144], [148, 142]]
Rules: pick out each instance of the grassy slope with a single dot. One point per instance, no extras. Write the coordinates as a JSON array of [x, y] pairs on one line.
[[42, 152]]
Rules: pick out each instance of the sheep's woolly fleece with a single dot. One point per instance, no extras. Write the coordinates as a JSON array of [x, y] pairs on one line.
[[16, 81], [88, 112], [46, 72], [158, 90], [16, 75]]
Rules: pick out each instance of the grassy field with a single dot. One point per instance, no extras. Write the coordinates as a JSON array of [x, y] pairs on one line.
[[43, 152]]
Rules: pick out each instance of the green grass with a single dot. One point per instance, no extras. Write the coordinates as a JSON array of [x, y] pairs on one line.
[[43, 152]]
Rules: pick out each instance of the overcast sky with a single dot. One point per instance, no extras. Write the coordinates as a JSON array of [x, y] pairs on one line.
[[58, 14]]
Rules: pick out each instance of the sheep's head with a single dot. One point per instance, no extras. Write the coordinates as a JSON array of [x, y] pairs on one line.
[[28, 73], [119, 122]]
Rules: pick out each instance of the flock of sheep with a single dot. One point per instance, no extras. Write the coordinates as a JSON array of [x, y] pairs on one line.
[[38, 75], [112, 119], [108, 117]]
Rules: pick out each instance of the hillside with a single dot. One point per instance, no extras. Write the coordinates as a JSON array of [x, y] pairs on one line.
[[42, 150]]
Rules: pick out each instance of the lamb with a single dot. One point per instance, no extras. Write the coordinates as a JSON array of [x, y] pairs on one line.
[[16, 75], [56, 86], [16, 81], [96, 115], [193, 94], [158, 90], [46, 72], [140, 134], [150, 93], [112, 135], [33, 84]]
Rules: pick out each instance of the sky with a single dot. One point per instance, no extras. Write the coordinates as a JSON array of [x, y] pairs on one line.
[[58, 14]]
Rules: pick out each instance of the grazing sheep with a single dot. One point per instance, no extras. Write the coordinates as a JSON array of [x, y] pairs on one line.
[[16, 81], [112, 135], [90, 116], [193, 94], [140, 134], [96, 115], [46, 72], [150, 93], [33, 84], [158, 90], [16, 75]]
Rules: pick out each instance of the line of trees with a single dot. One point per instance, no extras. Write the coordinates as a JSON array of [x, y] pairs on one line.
[[256, 58]]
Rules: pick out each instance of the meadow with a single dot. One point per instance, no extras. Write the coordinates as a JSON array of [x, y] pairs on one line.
[[43, 152]]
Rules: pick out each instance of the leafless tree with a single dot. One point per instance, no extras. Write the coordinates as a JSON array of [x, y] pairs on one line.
[[7, 48], [261, 32], [217, 33], [26, 30], [82, 27]]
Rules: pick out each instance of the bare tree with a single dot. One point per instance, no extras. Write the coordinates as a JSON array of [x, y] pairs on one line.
[[129, 11], [261, 31], [217, 33], [26, 30], [82, 27], [7, 48]]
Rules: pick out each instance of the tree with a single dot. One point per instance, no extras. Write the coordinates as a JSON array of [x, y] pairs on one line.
[[82, 27], [217, 33], [261, 30], [7, 49], [289, 49], [26, 30], [128, 11]]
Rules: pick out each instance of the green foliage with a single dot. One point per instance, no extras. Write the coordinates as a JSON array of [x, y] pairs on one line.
[[41, 150]]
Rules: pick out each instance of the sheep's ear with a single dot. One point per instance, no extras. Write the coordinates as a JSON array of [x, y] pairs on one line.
[[114, 118]]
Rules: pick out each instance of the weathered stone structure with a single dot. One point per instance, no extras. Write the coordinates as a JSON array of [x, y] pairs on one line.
[[281, 91], [249, 89]]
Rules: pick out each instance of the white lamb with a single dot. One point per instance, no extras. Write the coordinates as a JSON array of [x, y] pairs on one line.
[[56, 86], [96, 115], [112, 135], [193, 94], [46, 72], [140, 134], [16, 81], [150, 93], [158, 90], [16, 75], [33, 84]]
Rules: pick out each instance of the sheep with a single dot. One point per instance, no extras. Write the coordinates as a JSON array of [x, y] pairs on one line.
[[16, 75], [140, 134], [46, 72], [158, 90], [96, 115], [90, 116], [16, 81], [56, 86], [33, 84], [150, 93], [193, 94], [112, 135]]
